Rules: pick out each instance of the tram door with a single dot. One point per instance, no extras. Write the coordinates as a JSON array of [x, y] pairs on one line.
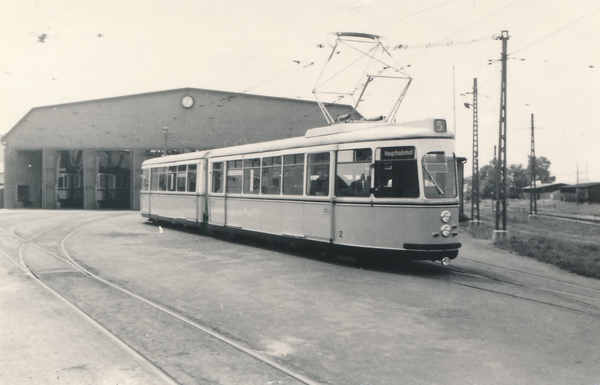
[[113, 188]]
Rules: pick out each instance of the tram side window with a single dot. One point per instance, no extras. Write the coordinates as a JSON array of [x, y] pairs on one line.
[[63, 181], [353, 173], [162, 179], [154, 173], [439, 175], [172, 186], [396, 173], [234, 177], [293, 174], [115, 182], [317, 178], [181, 177], [145, 179], [191, 178], [252, 176], [217, 177], [102, 181], [271, 175]]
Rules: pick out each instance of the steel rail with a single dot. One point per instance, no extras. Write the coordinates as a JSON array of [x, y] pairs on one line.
[[183, 319], [505, 282], [532, 275], [537, 290], [139, 357], [186, 320]]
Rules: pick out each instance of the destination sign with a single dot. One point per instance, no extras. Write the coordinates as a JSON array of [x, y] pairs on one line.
[[397, 153]]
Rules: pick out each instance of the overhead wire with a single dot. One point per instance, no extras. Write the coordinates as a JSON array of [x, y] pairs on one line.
[[288, 71], [464, 29], [484, 18], [557, 63], [557, 31], [441, 45], [411, 15]]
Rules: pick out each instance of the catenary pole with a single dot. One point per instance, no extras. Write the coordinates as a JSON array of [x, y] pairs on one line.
[[475, 170], [533, 192], [502, 182]]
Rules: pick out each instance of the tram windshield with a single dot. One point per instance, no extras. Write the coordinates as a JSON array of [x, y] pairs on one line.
[[396, 173], [439, 175]]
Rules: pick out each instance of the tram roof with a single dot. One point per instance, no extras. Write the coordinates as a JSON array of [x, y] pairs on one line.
[[338, 133]]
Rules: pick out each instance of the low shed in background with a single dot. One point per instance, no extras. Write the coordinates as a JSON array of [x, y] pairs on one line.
[[583, 192]]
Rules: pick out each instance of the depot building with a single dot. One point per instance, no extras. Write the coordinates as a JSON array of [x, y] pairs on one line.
[[88, 155]]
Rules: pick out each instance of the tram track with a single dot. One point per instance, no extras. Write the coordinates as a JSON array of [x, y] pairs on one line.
[[172, 345], [547, 292], [66, 258], [561, 295], [577, 219], [23, 265], [532, 275]]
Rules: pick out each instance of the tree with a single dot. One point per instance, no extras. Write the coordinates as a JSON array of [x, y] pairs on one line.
[[542, 170], [468, 188], [519, 177], [488, 175]]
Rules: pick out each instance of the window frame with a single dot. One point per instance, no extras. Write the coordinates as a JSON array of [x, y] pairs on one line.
[[271, 165], [324, 187], [368, 170], [298, 190], [146, 174], [234, 169], [192, 178], [181, 176], [171, 178], [217, 174], [451, 169], [402, 153], [251, 166]]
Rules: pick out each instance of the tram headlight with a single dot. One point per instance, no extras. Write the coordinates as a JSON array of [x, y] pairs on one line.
[[446, 230], [446, 216]]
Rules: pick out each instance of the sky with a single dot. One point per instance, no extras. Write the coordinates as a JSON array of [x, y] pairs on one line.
[[101, 49]]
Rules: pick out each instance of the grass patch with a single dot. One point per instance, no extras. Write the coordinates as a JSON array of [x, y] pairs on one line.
[[579, 257], [483, 230]]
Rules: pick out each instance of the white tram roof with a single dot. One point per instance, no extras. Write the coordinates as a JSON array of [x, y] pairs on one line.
[[337, 133]]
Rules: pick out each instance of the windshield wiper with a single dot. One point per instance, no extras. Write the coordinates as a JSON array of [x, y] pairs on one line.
[[437, 186]]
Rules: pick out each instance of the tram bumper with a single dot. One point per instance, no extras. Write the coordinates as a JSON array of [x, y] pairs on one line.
[[432, 251]]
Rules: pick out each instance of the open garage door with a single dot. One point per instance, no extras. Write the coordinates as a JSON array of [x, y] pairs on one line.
[[69, 179], [113, 183], [27, 179]]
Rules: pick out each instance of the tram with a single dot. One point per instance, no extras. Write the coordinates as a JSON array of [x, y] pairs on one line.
[[367, 188]]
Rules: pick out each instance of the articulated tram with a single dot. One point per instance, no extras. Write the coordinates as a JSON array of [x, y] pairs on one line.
[[372, 188]]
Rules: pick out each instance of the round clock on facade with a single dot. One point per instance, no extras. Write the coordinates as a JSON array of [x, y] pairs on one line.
[[187, 101]]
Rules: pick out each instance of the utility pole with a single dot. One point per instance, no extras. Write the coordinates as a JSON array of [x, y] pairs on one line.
[[475, 172], [166, 132], [500, 231], [577, 188], [494, 197], [532, 192]]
